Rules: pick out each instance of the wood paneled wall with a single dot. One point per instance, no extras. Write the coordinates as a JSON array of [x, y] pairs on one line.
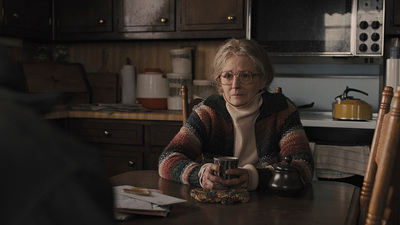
[[143, 54]]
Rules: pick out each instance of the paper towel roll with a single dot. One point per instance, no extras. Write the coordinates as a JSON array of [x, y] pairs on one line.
[[392, 72], [128, 95]]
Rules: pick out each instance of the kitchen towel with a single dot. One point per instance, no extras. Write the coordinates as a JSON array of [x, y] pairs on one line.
[[128, 95], [335, 162], [392, 72]]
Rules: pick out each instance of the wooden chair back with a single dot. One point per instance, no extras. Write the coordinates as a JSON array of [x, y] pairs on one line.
[[187, 107], [185, 103], [369, 177], [380, 191]]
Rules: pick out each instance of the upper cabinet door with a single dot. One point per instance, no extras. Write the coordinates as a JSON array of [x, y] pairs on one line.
[[212, 15], [32, 19], [84, 16], [146, 15], [392, 19]]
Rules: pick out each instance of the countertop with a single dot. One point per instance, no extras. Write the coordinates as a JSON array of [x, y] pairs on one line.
[[308, 118], [164, 115], [324, 119]]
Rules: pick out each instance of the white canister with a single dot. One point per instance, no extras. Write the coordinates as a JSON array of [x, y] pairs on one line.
[[181, 60], [128, 95], [176, 80], [152, 89]]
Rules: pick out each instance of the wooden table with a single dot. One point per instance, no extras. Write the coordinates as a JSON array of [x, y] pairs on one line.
[[322, 203]]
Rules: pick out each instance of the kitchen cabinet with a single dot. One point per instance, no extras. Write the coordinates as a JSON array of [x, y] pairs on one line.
[[83, 16], [150, 19], [126, 145], [27, 18], [88, 20], [212, 15], [340, 136], [146, 15], [392, 19], [143, 19]]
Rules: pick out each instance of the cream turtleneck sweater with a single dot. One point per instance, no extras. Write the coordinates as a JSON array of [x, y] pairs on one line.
[[244, 119]]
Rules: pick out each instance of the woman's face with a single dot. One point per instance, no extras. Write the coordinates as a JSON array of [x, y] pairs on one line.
[[237, 93]]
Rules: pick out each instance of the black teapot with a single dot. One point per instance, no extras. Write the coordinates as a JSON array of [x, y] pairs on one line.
[[286, 180]]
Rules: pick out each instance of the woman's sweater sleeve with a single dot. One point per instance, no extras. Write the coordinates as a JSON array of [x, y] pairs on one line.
[[294, 143], [291, 138], [180, 160]]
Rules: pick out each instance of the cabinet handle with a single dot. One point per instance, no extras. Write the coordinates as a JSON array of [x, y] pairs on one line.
[[231, 18], [107, 133], [164, 20], [101, 21], [131, 163], [15, 15]]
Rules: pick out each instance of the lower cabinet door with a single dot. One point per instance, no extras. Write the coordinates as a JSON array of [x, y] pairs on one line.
[[153, 160], [126, 145], [121, 158]]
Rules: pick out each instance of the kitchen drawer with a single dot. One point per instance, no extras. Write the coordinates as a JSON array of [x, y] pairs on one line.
[[161, 135], [126, 145], [153, 161], [121, 158], [108, 131], [339, 136]]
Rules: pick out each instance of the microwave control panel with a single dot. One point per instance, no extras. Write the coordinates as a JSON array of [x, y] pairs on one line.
[[370, 27]]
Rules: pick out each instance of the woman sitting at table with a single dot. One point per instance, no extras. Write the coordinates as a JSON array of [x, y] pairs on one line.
[[246, 121]]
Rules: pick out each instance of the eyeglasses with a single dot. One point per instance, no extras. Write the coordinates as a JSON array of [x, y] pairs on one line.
[[245, 77]]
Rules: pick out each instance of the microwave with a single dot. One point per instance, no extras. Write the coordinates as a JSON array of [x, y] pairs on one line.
[[318, 27]]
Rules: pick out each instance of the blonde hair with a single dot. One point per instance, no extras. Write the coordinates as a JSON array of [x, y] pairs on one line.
[[243, 47]]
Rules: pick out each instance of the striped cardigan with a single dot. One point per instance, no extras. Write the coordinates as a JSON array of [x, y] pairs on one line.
[[209, 133]]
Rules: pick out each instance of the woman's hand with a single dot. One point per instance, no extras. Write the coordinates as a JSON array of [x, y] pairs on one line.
[[210, 181], [241, 182]]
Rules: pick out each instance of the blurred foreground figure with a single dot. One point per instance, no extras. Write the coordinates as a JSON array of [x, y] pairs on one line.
[[47, 178]]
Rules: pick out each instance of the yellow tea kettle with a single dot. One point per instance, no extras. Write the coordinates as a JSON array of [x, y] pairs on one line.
[[350, 108]]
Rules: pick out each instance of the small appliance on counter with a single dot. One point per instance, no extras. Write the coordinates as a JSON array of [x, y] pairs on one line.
[[350, 108], [152, 89]]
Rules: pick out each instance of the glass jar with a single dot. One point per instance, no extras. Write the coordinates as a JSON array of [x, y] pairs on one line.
[[202, 89], [176, 80], [181, 60]]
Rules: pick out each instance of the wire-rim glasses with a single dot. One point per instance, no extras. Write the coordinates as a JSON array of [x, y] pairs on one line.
[[245, 77]]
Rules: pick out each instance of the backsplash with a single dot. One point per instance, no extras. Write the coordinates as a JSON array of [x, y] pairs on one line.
[[322, 91], [143, 54], [317, 80], [320, 84], [304, 79]]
